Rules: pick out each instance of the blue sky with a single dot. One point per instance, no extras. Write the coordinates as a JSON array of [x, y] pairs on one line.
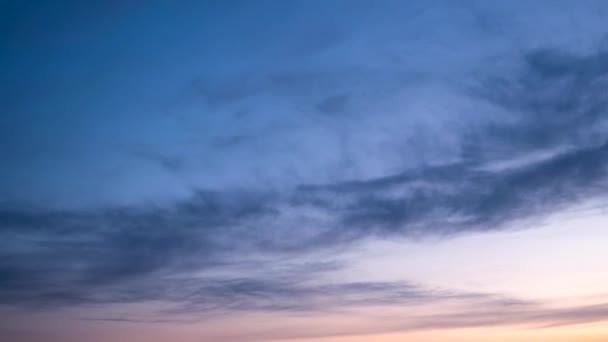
[[184, 163]]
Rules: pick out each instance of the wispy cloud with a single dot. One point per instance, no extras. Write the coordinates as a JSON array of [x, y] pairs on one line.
[[48, 254], [309, 136]]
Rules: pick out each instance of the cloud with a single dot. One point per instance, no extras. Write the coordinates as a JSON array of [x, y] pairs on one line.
[[549, 152], [452, 310], [238, 157], [54, 255], [535, 317]]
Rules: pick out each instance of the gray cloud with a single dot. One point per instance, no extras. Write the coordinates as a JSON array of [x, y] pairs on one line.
[[471, 309], [55, 255]]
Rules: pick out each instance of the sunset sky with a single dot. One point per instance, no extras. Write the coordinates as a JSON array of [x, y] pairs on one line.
[[314, 170]]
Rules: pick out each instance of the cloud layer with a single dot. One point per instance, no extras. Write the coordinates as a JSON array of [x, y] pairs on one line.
[[180, 142]]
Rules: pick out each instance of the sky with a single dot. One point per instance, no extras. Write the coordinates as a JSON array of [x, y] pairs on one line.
[[303, 170]]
